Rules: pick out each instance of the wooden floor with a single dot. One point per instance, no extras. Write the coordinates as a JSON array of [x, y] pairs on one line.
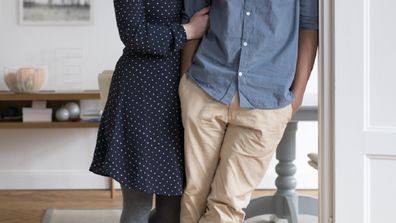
[[30, 206]]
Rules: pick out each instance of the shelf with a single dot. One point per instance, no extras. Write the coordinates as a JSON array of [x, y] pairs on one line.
[[49, 96], [55, 99], [44, 125]]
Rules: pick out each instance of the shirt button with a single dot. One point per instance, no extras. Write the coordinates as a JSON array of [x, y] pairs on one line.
[[240, 74], [245, 43], [248, 13]]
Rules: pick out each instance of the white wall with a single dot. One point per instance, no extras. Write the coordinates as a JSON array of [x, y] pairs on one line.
[[39, 158], [24, 45], [56, 159]]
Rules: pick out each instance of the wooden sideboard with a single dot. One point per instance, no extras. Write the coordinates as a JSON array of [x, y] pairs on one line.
[[54, 100]]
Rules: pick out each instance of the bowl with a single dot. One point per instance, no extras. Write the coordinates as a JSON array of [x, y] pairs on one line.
[[26, 79]]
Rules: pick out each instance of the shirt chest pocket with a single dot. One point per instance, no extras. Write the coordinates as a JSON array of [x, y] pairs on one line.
[[275, 19]]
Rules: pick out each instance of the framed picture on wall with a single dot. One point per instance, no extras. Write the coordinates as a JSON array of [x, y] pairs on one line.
[[55, 12]]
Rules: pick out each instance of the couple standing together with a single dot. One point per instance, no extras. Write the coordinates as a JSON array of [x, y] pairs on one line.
[[202, 143]]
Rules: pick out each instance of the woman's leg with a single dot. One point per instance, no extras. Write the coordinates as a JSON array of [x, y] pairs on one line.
[[167, 209], [136, 206]]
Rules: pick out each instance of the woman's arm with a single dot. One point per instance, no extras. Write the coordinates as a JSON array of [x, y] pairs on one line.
[[200, 21], [190, 48], [143, 37], [188, 53]]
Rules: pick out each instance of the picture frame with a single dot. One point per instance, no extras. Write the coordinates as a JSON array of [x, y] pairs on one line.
[[56, 12]]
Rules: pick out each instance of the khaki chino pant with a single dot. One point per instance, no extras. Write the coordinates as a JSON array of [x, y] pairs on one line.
[[227, 152]]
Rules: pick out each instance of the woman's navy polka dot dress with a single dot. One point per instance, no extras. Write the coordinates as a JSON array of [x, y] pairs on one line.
[[140, 139]]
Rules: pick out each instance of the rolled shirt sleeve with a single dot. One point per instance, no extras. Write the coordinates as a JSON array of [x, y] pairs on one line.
[[309, 14], [193, 6]]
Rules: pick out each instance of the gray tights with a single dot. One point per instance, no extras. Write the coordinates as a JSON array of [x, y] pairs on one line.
[[137, 208]]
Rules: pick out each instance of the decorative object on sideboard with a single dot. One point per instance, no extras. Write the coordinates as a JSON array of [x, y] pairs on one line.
[[39, 104], [10, 114], [26, 79], [55, 12], [90, 110], [68, 112], [62, 115], [88, 101], [74, 110], [38, 112]]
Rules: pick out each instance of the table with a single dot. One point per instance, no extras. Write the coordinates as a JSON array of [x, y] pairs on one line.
[[54, 99], [286, 203]]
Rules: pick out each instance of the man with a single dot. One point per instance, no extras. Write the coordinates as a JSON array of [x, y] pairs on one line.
[[247, 78]]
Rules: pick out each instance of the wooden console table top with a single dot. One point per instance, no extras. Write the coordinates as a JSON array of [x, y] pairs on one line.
[[49, 96]]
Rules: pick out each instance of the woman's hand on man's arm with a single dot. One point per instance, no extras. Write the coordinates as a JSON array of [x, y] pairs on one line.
[[198, 25], [195, 29]]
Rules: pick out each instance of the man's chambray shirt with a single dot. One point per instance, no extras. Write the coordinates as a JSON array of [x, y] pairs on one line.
[[251, 48]]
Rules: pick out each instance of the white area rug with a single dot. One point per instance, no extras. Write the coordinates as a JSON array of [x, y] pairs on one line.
[[113, 216], [274, 219], [82, 216]]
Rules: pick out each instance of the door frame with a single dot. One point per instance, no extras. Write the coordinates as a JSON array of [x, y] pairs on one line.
[[326, 112]]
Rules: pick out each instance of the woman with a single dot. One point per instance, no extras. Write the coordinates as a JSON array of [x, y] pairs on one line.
[[140, 139]]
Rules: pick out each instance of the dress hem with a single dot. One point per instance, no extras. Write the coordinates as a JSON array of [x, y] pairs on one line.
[[131, 187]]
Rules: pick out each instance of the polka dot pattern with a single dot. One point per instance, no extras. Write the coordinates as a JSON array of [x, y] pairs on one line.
[[140, 138]]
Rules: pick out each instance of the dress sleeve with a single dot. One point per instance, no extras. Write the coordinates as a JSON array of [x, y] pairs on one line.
[[193, 6], [309, 14], [142, 37]]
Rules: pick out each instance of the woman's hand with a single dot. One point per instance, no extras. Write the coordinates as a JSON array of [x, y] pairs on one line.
[[198, 24]]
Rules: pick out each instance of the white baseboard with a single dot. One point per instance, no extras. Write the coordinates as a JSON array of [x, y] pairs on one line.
[[51, 180], [69, 180]]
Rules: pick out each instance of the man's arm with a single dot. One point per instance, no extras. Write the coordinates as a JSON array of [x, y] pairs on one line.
[[308, 43], [307, 46]]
